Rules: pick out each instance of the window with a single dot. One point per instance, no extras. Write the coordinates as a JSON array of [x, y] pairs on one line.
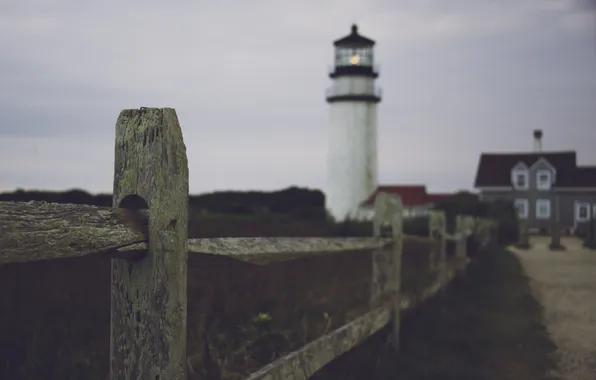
[[521, 205], [582, 212], [352, 56], [543, 179], [543, 209], [520, 178]]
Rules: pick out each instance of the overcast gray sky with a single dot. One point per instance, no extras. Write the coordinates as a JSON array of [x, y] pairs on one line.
[[247, 79]]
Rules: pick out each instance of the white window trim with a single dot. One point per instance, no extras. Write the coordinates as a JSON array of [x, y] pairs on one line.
[[526, 204], [545, 162], [539, 204], [541, 186], [577, 207], [517, 172]]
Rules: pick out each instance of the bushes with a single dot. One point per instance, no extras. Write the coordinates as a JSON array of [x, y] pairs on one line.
[[465, 203], [417, 226], [353, 228], [74, 196], [299, 203], [504, 213]]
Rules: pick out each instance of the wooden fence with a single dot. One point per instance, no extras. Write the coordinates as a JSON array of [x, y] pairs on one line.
[[145, 237]]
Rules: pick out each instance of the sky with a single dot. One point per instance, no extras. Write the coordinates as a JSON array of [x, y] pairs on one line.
[[248, 80]]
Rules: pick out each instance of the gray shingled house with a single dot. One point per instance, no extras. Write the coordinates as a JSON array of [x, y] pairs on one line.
[[546, 187]]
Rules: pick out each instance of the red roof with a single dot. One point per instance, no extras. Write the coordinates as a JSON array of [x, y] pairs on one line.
[[411, 195]]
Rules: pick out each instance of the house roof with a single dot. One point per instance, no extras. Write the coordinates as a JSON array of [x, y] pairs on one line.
[[411, 195], [494, 169], [582, 176]]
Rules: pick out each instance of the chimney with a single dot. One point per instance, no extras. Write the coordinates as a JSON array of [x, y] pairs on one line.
[[537, 140]]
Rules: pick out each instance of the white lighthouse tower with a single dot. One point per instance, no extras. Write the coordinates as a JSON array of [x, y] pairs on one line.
[[352, 152]]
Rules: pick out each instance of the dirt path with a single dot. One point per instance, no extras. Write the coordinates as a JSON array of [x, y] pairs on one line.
[[565, 284]]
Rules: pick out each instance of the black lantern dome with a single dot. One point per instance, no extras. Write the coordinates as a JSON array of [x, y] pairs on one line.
[[354, 56]]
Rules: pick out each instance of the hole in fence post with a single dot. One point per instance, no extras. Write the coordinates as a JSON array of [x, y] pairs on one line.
[[133, 202], [138, 216]]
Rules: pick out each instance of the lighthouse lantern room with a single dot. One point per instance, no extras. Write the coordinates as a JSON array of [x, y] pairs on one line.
[[352, 139]]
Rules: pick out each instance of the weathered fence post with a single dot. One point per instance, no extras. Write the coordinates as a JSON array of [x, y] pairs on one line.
[[397, 251], [149, 299], [380, 257], [460, 231], [386, 275], [437, 231], [380, 209]]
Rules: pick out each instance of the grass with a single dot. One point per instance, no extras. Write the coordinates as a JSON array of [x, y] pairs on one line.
[[55, 329], [243, 316], [485, 326], [253, 315]]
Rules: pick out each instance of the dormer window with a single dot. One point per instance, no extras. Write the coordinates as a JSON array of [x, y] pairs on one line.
[[544, 179], [519, 177]]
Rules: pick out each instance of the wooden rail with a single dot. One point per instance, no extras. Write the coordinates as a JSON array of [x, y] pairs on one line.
[[40, 231], [145, 236], [305, 362]]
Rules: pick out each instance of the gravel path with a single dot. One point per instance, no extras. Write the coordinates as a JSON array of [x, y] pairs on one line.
[[565, 284]]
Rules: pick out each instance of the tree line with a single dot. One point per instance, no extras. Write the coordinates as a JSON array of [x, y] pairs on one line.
[[295, 201]]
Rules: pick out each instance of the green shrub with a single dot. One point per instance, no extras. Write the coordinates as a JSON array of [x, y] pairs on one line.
[[417, 226], [353, 228], [505, 214], [465, 203]]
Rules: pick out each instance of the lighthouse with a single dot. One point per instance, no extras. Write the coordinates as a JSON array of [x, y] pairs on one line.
[[352, 139]]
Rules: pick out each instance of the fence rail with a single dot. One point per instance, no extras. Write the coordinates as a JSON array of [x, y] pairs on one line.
[[149, 248], [34, 231]]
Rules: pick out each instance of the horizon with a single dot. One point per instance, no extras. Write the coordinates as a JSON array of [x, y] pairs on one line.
[[248, 84], [2, 192]]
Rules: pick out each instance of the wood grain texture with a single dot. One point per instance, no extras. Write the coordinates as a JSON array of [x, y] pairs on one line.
[[303, 363], [149, 296], [31, 231], [271, 249], [267, 250]]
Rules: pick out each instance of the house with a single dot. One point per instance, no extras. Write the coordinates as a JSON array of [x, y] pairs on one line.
[[415, 199], [546, 187]]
